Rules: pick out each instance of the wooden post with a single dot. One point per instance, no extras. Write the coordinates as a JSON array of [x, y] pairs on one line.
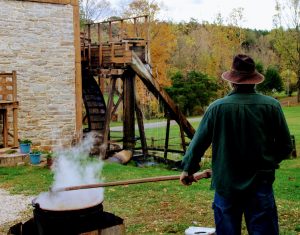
[[101, 81], [117, 104], [139, 116], [129, 105], [167, 138], [135, 27], [182, 136], [110, 101], [78, 81], [15, 109], [89, 31], [5, 128], [122, 30], [147, 22], [110, 31]]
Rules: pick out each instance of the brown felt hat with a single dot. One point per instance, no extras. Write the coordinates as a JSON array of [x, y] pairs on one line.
[[243, 71]]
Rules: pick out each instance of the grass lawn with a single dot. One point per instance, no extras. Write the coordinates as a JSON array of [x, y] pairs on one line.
[[292, 115], [167, 207]]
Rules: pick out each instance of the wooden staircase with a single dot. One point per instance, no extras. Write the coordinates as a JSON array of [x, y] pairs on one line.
[[94, 104]]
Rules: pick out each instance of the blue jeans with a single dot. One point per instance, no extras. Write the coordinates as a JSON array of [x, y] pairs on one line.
[[258, 207]]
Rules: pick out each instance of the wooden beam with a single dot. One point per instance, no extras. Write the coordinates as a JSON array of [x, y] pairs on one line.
[[61, 2], [139, 116], [183, 144], [15, 110], [167, 138], [110, 31], [158, 92], [101, 81], [109, 107], [129, 106], [78, 79], [123, 19], [117, 104]]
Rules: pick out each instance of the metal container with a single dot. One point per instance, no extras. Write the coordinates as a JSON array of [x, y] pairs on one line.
[[70, 221]]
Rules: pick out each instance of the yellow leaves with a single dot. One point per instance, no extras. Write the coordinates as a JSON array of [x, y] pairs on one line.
[[162, 45]]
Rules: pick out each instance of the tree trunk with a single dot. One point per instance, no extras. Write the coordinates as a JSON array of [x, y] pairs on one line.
[[298, 89]]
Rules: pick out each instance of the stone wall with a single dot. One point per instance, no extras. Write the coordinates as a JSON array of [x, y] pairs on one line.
[[37, 40]]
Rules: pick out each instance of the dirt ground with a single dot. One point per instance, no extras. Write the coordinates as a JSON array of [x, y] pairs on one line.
[[289, 101]]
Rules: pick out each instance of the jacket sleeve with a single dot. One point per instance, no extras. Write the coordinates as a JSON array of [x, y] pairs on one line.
[[283, 142], [199, 144]]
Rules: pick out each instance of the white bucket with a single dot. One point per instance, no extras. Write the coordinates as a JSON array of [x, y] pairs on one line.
[[199, 230]]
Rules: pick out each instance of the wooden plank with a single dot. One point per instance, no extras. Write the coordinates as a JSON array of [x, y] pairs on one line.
[[117, 104], [15, 127], [5, 128], [158, 92], [110, 31], [111, 71], [128, 109], [61, 2], [15, 109], [167, 138], [104, 145], [7, 83], [121, 60], [139, 116], [183, 144], [78, 80], [123, 19]]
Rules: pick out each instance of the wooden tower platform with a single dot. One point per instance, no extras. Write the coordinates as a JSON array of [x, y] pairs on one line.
[[124, 56]]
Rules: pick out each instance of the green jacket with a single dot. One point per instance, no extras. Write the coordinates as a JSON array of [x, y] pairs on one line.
[[249, 137]]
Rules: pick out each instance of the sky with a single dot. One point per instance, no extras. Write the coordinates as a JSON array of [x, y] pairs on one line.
[[257, 14]]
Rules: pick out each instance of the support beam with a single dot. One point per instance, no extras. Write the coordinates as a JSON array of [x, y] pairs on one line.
[[129, 106], [183, 144], [139, 116], [167, 138], [78, 80], [109, 108], [160, 94]]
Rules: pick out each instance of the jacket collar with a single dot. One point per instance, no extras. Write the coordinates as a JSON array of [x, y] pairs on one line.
[[242, 91]]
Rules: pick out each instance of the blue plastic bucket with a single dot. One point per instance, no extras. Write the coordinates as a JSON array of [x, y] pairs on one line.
[[35, 158], [24, 148]]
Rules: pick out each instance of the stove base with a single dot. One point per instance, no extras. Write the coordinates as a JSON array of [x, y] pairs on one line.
[[108, 225]]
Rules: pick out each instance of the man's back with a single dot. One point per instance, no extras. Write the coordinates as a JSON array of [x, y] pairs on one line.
[[249, 138]]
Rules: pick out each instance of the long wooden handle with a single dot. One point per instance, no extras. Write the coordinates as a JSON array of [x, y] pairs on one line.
[[197, 176]]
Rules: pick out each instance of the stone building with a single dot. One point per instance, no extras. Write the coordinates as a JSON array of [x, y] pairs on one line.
[[39, 39]]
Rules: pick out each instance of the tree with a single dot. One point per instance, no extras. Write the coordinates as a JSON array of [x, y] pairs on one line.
[[94, 10], [287, 36], [272, 82], [290, 81], [193, 91], [142, 7]]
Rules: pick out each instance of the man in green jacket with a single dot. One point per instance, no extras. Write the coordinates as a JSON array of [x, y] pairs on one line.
[[249, 137]]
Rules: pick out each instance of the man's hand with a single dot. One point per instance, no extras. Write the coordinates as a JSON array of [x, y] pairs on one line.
[[187, 179]]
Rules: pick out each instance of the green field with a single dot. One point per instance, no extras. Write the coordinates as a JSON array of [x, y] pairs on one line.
[[292, 115], [167, 207]]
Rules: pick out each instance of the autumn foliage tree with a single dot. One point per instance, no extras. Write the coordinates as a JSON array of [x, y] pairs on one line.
[[162, 40], [287, 36]]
